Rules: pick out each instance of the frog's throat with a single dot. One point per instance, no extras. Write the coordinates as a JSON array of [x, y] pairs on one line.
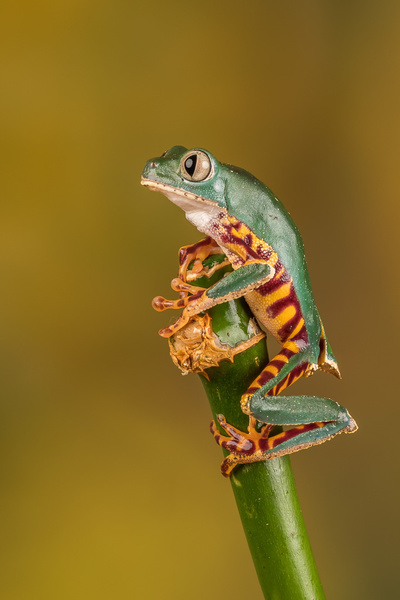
[[200, 211], [178, 196]]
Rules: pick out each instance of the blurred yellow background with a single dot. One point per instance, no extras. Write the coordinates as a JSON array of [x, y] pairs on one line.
[[109, 481]]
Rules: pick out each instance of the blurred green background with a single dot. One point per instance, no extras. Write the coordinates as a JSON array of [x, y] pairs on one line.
[[110, 484]]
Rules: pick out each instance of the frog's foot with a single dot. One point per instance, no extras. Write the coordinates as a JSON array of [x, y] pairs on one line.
[[196, 253], [259, 446], [160, 304], [190, 306], [243, 447]]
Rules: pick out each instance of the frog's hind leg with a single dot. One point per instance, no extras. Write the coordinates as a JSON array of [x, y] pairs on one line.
[[312, 420], [258, 445]]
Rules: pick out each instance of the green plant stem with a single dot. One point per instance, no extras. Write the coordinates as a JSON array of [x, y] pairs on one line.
[[266, 495], [265, 492]]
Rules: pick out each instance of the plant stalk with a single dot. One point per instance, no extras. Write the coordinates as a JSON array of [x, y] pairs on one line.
[[265, 492]]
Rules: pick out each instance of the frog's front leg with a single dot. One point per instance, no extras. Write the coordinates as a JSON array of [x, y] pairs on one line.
[[234, 285], [194, 253]]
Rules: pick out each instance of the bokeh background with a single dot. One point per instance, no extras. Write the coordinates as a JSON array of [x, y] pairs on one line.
[[109, 481]]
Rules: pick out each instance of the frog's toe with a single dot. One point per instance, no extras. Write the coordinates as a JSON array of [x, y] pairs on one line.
[[228, 464], [159, 303], [221, 440], [166, 332], [230, 429], [178, 285], [236, 442]]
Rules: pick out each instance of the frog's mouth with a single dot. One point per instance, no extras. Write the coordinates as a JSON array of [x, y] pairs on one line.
[[201, 212]]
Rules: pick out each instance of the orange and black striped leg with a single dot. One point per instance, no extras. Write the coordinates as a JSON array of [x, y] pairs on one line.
[[283, 370], [287, 366], [259, 446], [312, 420]]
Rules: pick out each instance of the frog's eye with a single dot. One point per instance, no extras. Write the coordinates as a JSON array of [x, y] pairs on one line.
[[196, 166]]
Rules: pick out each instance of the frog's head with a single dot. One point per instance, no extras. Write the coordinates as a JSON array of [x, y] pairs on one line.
[[191, 179], [194, 180]]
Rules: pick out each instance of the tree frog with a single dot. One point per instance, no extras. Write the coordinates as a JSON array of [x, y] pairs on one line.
[[243, 218]]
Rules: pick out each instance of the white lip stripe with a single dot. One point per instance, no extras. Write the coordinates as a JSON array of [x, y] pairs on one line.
[[201, 212], [163, 187]]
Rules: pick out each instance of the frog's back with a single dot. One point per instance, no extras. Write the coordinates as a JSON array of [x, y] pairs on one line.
[[286, 303]]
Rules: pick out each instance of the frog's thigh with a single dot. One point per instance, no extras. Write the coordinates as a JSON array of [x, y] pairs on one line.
[[283, 370]]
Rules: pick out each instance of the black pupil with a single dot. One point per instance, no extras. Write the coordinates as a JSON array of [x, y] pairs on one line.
[[190, 164]]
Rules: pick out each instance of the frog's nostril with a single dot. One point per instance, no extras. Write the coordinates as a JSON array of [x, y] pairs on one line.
[[153, 164]]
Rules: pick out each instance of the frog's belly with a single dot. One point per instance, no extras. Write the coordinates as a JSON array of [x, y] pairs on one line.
[[277, 308]]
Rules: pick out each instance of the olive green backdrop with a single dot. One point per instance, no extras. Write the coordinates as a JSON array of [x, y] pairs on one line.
[[109, 482]]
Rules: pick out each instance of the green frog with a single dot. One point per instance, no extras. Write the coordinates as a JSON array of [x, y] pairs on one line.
[[244, 220]]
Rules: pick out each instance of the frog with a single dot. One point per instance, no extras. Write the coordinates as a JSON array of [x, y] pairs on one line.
[[244, 220]]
